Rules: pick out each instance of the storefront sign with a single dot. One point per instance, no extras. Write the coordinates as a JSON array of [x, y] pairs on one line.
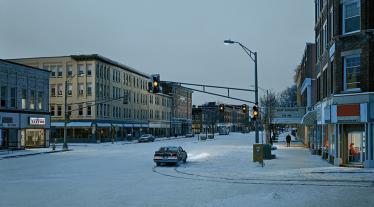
[[7, 122], [37, 121], [348, 113]]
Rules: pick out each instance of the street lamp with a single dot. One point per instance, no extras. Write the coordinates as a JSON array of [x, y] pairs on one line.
[[253, 56], [66, 115]]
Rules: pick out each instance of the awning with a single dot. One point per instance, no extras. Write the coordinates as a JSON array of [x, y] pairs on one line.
[[79, 124], [137, 125], [118, 125], [309, 118], [57, 124], [104, 125], [144, 125], [127, 125]]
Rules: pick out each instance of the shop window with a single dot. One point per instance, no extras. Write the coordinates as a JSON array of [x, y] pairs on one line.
[[352, 70], [351, 16]]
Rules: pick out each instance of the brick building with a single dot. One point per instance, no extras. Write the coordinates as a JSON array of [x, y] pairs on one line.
[[344, 36]]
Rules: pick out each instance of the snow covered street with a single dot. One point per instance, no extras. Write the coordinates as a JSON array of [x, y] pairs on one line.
[[218, 172]]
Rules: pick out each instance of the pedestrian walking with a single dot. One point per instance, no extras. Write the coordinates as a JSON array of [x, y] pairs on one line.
[[288, 140]]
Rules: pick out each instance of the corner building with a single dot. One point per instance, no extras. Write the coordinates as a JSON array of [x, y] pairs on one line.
[[344, 32], [106, 100]]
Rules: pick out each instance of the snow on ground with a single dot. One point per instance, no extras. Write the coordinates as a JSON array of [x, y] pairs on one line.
[[219, 172]]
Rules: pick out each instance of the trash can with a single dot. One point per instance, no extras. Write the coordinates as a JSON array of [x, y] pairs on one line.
[[258, 152]]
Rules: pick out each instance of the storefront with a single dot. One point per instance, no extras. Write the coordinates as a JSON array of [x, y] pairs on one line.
[[19, 131]]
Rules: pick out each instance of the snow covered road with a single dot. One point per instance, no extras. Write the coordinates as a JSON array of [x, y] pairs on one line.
[[219, 172]]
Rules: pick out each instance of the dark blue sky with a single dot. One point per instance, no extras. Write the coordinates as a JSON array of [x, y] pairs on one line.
[[181, 40]]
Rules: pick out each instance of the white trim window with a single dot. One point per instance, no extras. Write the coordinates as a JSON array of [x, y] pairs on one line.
[[325, 36], [352, 72], [351, 16]]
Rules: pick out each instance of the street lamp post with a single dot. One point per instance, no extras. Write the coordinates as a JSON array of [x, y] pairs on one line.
[[253, 56]]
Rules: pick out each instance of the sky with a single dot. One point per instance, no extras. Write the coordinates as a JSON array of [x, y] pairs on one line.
[[180, 40]]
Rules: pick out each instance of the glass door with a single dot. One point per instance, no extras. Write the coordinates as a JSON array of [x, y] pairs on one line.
[[356, 148]]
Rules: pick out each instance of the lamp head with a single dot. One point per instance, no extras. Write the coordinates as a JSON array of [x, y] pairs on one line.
[[228, 42]]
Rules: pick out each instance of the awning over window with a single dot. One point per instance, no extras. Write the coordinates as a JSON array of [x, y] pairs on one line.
[[309, 118], [57, 124], [79, 124], [104, 125]]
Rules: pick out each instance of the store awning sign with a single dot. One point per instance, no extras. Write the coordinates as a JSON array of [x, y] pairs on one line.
[[37, 121]]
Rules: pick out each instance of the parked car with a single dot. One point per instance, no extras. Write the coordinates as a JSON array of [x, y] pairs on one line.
[[171, 154], [146, 138], [190, 135]]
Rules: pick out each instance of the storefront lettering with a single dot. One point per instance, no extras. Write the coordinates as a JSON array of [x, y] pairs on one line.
[[37, 121]]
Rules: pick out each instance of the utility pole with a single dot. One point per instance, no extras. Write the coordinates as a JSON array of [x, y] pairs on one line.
[[65, 145]]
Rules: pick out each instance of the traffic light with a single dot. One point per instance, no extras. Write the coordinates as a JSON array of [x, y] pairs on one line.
[[244, 108], [221, 108], [254, 112], [156, 83]]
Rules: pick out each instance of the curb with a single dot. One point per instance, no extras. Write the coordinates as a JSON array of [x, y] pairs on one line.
[[32, 154]]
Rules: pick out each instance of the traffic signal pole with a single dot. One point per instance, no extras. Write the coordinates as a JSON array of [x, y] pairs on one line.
[[256, 98]]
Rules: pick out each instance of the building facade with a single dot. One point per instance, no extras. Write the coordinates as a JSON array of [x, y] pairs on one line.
[[208, 118], [181, 108], [344, 32], [106, 100], [24, 106]]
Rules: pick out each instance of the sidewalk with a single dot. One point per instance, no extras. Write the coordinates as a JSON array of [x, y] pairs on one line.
[[7, 154]]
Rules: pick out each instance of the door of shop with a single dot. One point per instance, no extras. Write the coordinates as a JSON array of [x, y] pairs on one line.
[[4, 139], [356, 147]]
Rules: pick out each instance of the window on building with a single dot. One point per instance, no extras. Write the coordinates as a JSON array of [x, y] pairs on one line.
[[69, 69], [59, 110], [325, 36], [59, 89], [89, 69], [89, 89], [318, 45], [89, 111], [70, 89], [59, 70], [40, 100], [24, 98], [352, 70], [331, 23], [52, 109], [80, 89], [13, 97], [332, 77], [80, 109], [80, 69], [53, 70], [32, 99], [351, 16], [53, 90]]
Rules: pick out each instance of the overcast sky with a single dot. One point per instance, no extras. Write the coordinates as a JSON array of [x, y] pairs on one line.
[[181, 40]]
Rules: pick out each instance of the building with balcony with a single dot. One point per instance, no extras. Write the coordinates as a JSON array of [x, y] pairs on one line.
[[106, 100], [24, 106]]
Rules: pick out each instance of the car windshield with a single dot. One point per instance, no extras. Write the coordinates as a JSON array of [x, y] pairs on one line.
[[168, 149]]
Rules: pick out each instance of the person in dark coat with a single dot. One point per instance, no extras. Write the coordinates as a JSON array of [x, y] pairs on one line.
[[288, 140]]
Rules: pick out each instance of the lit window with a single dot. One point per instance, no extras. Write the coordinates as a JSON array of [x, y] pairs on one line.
[[352, 72]]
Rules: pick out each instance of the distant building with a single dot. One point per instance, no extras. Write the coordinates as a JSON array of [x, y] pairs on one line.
[[207, 117], [181, 108], [24, 106], [106, 99]]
